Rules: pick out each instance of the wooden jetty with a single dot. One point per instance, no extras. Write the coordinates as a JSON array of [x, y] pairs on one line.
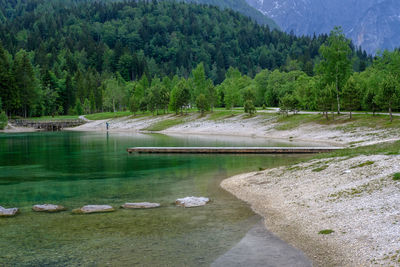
[[47, 125], [233, 150]]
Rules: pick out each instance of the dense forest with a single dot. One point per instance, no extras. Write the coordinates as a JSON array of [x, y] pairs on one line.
[[242, 7], [74, 57]]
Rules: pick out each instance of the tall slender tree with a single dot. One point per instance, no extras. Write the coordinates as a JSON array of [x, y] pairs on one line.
[[7, 93], [351, 95], [25, 82], [335, 66]]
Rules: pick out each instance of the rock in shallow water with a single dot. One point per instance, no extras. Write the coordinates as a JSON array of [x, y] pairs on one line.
[[8, 212], [190, 202], [48, 208], [93, 209], [141, 205]]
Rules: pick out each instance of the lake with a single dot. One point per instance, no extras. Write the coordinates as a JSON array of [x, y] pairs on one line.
[[74, 169]]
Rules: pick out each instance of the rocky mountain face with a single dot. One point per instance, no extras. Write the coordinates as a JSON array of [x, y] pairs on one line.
[[371, 24]]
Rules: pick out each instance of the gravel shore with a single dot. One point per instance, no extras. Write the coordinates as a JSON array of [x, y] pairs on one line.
[[241, 125], [13, 129], [357, 198]]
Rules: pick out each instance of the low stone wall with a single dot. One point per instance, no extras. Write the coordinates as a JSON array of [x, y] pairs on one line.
[[54, 125]]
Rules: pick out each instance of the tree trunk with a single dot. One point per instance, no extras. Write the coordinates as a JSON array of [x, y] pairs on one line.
[[326, 115], [113, 105], [391, 115]]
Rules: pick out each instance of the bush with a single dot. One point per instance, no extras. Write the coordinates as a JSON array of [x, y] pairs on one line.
[[78, 108], [396, 176], [3, 120], [202, 103], [249, 107], [326, 232]]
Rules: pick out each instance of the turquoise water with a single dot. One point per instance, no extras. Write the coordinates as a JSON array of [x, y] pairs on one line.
[[76, 169]]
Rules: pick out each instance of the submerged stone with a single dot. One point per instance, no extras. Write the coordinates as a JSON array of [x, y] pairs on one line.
[[48, 208], [190, 202], [141, 205], [8, 212], [93, 209]]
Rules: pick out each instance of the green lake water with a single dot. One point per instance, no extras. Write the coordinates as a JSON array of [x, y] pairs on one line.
[[76, 169]]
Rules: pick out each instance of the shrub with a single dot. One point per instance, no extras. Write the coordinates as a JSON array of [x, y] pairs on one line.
[[3, 120], [78, 108], [202, 103], [396, 176], [326, 232], [249, 107]]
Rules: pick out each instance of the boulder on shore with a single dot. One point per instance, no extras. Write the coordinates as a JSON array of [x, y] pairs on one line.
[[93, 209], [48, 208], [8, 212], [141, 205], [190, 202]]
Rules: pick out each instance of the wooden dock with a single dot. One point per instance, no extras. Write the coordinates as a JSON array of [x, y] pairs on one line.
[[233, 150]]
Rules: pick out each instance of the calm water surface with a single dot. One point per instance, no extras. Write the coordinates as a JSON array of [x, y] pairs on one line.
[[76, 169]]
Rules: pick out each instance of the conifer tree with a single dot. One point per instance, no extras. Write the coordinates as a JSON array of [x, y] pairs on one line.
[[25, 82]]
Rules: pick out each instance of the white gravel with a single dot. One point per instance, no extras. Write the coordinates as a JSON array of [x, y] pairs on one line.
[[361, 204], [262, 125]]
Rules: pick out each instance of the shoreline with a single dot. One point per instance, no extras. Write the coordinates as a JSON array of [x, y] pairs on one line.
[[257, 126], [13, 129], [358, 204], [260, 247]]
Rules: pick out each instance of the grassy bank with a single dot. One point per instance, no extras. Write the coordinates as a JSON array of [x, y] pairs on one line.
[[165, 124], [108, 115], [53, 118], [343, 122]]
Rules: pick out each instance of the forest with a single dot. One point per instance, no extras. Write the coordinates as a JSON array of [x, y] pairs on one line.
[[80, 57]]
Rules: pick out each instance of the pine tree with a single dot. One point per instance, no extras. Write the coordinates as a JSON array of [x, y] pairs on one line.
[[9, 96], [25, 82]]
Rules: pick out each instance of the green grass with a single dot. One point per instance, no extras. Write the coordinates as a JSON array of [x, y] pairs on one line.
[[293, 121], [368, 121], [396, 176], [165, 124], [342, 122], [223, 114], [108, 115], [367, 163], [389, 148], [51, 118], [326, 232], [320, 169]]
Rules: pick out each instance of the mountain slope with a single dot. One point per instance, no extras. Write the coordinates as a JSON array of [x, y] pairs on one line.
[[372, 24], [242, 7], [156, 38]]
